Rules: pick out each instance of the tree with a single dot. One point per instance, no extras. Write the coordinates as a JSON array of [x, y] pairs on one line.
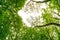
[[10, 22], [12, 28]]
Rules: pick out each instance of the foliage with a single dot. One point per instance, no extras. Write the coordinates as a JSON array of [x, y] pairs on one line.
[[10, 22], [11, 26]]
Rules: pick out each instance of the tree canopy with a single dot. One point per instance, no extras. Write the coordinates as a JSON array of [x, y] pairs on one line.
[[12, 28]]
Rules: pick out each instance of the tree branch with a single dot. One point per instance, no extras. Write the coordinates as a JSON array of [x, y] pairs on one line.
[[56, 24], [41, 1]]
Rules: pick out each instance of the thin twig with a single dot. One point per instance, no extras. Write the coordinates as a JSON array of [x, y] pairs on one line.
[[41, 1], [48, 24]]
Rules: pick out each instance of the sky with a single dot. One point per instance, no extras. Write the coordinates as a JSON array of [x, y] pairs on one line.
[[32, 11]]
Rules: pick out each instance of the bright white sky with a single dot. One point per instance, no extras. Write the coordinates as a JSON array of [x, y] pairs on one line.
[[34, 13]]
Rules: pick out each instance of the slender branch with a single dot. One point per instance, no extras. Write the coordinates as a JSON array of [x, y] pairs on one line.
[[41, 1], [56, 24]]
